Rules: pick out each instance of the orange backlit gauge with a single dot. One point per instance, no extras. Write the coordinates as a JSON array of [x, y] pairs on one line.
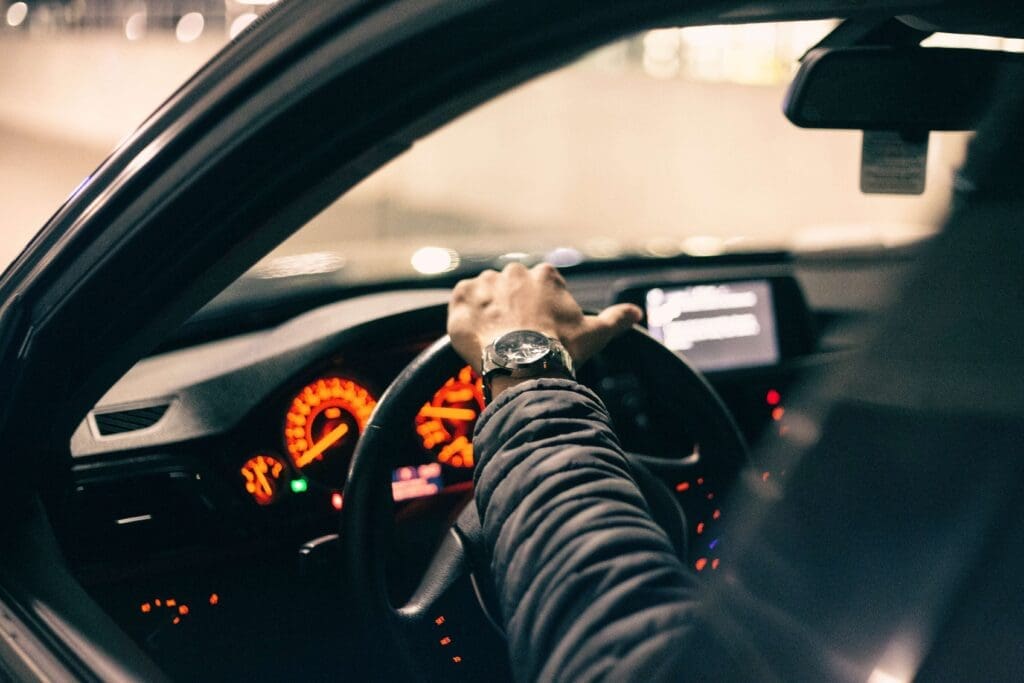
[[445, 424], [322, 426], [263, 477]]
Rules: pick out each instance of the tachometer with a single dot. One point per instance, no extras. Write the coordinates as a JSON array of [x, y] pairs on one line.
[[322, 427], [445, 424]]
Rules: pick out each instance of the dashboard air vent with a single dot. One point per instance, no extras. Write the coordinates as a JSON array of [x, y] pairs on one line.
[[121, 421]]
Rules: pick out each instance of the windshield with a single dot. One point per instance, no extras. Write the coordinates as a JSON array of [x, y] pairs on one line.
[[670, 142]]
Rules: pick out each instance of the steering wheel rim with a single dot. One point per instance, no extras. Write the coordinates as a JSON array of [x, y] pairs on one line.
[[368, 521]]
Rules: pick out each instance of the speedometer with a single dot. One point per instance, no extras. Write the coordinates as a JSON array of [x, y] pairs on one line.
[[323, 425], [445, 424]]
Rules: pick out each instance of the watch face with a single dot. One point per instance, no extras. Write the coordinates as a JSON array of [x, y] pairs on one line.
[[521, 347]]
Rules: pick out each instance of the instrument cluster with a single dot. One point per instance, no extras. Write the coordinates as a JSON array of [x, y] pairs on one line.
[[321, 421]]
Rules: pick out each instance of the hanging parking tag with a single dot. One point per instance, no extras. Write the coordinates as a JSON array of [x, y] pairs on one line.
[[893, 163]]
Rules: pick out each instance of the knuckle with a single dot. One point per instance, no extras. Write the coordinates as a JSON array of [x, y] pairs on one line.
[[455, 326], [545, 270]]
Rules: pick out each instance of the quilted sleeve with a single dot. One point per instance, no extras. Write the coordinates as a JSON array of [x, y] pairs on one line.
[[589, 586]]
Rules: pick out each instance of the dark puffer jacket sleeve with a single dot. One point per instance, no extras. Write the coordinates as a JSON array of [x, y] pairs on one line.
[[589, 586]]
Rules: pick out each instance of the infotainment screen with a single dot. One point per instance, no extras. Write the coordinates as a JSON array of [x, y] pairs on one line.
[[716, 326]]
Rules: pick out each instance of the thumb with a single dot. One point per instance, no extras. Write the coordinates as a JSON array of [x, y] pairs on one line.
[[602, 328], [619, 318]]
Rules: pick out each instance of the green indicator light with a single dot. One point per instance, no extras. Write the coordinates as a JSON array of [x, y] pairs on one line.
[[299, 485]]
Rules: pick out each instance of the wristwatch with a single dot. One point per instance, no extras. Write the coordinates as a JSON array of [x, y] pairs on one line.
[[522, 354]]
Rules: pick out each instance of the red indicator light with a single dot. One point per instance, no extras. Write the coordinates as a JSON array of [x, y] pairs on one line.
[[337, 501], [146, 607], [214, 598], [778, 412], [456, 659], [700, 528], [183, 610], [714, 563], [773, 397], [683, 486], [176, 621], [765, 475], [700, 481], [716, 514], [446, 640], [156, 602], [439, 621], [711, 496], [171, 602], [701, 563]]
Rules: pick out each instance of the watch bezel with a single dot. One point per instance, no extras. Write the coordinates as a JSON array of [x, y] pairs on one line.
[[518, 339], [555, 358]]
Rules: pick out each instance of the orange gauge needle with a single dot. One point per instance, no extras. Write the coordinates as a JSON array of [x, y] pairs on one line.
[[459, 447], [261, 478], [323, 444], [464, 414]]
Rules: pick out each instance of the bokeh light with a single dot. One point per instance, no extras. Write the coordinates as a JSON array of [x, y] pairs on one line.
[[17, 13], [240, 23], [190, 27], [135, 26], [434, 260]]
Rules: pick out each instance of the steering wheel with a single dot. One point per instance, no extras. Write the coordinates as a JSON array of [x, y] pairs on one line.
[[448, 629]]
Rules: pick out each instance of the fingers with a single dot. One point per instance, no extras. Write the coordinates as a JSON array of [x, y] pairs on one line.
[[514, 270], [545, 272], [461, 292]]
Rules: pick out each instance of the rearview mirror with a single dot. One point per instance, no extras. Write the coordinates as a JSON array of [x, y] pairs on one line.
[[895, 89]]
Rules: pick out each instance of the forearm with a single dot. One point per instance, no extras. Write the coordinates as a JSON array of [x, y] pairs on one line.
[[586, 579]]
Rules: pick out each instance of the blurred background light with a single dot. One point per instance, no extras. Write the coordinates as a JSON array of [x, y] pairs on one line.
[[603, 248], [434, 260], [663, 247], [135, 26], [703, 245], [519, 256], [564, 257], [240, 22], [661, 52], [16, 14], [313, 263], [190, 27]]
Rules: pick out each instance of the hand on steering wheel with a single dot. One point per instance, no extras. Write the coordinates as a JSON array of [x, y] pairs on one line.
[[491, 304]]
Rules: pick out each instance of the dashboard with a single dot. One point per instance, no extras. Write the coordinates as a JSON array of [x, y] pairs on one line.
[[207, 485]]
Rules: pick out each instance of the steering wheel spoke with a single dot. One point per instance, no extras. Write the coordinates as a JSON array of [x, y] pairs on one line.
[[443, 623]]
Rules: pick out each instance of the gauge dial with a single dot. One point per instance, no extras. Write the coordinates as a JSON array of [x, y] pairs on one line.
[[322, 427], [262, 475], [445, 424]]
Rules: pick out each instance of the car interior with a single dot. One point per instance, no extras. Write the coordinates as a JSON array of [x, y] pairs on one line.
[[224, 494]]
